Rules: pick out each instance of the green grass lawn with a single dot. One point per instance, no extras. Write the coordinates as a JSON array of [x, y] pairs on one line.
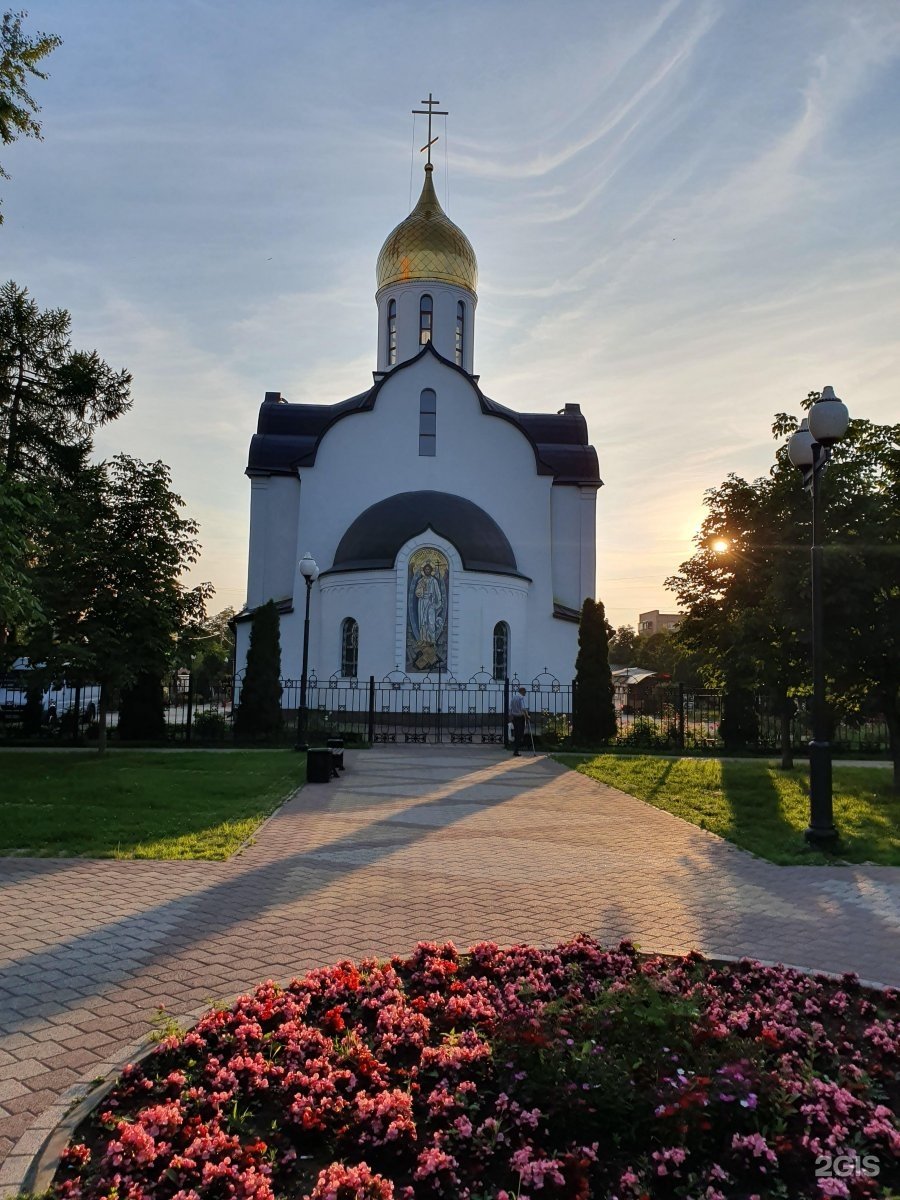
[[136, 804], [757, 806]]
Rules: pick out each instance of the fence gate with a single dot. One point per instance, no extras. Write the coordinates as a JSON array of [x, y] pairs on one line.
[[438, 710], [433, 710]]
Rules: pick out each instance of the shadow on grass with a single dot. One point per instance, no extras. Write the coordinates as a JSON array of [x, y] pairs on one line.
[[663, 781], [756, 816], [867, 815]]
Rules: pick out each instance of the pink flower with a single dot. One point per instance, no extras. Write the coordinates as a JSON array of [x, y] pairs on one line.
[[756, 1144], [339, 1182]]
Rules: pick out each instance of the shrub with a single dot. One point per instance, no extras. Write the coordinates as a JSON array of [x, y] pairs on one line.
[[740, 723], [644, 733], [142, 711], [33, 711], [555, 729], [211, 726]]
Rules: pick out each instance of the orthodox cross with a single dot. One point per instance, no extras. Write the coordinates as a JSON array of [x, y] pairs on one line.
[[428, 112]]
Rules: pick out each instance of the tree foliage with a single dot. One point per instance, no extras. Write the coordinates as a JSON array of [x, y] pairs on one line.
[[622, 645], [208, 652], [19, 58], [52, 397], [748, 607], [593, 710], [258, 716], [21, 514], [110, 576], [662, 652]]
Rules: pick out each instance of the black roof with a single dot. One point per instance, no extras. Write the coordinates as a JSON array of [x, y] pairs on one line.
[[374, 538], [288, 435]]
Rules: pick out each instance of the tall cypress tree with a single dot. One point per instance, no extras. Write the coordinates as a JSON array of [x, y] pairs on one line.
[[259, 717], [593, 711]]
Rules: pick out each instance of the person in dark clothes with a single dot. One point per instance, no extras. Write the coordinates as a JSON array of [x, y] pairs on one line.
[[518, 714]]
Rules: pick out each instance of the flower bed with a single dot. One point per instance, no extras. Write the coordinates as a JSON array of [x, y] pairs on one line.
[[573, 1072]]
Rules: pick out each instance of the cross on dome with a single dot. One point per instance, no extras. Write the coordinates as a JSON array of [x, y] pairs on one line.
[[428, 112]]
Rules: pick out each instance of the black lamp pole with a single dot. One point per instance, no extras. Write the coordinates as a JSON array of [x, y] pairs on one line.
[[821, 830], [810, 450], [440, 664], [310, 573]]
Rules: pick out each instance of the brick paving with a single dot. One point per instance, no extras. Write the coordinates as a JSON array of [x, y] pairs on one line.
[[411, 843]]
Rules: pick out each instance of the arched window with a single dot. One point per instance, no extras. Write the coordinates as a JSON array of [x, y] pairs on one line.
[[501, 650], [428, 423], [460, 332], [392, 333], [426, 314], [349, 647]]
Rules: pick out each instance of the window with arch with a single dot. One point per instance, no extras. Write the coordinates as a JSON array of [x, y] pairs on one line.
[[501, 650], [460, 332], [349, 647], [392, 333], [426, 319], [428, 423]]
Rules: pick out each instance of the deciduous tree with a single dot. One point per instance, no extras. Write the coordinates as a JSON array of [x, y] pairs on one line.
[[111, 577], [746, 590], [208, 652]]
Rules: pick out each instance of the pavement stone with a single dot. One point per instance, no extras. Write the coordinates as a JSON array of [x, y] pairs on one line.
[[415, 843]]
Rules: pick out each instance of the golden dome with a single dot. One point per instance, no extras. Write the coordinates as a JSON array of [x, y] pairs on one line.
[[427, 245]]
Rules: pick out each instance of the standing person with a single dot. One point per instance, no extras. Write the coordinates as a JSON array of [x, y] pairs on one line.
[[518, 714]]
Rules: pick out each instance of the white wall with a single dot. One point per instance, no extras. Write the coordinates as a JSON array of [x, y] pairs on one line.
[[445, 297], [566, 550], [377, 600], [369, 597], [274, 515], [574, 526], [370, 456]]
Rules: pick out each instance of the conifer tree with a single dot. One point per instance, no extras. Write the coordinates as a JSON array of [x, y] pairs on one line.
[[142, 709], [19, 58], [594, 714], [259, 717]]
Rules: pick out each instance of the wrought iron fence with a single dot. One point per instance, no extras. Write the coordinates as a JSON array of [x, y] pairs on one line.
[[434, 709]]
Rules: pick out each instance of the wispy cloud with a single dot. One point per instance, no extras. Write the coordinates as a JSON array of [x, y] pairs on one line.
[[485, 161], [683, 214]]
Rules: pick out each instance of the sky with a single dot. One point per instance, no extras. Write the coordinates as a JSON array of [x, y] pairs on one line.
[[685, 216]]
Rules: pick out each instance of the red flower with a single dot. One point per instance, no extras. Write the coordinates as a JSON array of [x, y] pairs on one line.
[[333, 1020]]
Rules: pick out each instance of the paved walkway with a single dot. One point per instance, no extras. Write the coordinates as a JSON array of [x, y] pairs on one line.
[[411, 844]]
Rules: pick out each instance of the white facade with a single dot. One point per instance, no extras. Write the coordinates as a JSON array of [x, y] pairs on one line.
[[526, 559]]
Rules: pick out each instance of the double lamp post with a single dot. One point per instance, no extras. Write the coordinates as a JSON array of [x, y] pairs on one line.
[[809, 449]]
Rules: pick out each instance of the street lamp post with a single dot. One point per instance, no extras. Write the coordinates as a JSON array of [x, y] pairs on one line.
[[310, 573], [809, 449]]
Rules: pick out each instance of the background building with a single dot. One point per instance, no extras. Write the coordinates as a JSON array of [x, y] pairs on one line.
[[655, 622]]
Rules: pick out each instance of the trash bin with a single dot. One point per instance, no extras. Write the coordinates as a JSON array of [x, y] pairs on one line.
[[318, 765], [336, 746]]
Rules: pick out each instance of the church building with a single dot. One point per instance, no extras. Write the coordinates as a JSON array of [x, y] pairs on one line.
[[451, 533]]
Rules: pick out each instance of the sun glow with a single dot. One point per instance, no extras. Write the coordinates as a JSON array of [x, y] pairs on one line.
[[721, 546]]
